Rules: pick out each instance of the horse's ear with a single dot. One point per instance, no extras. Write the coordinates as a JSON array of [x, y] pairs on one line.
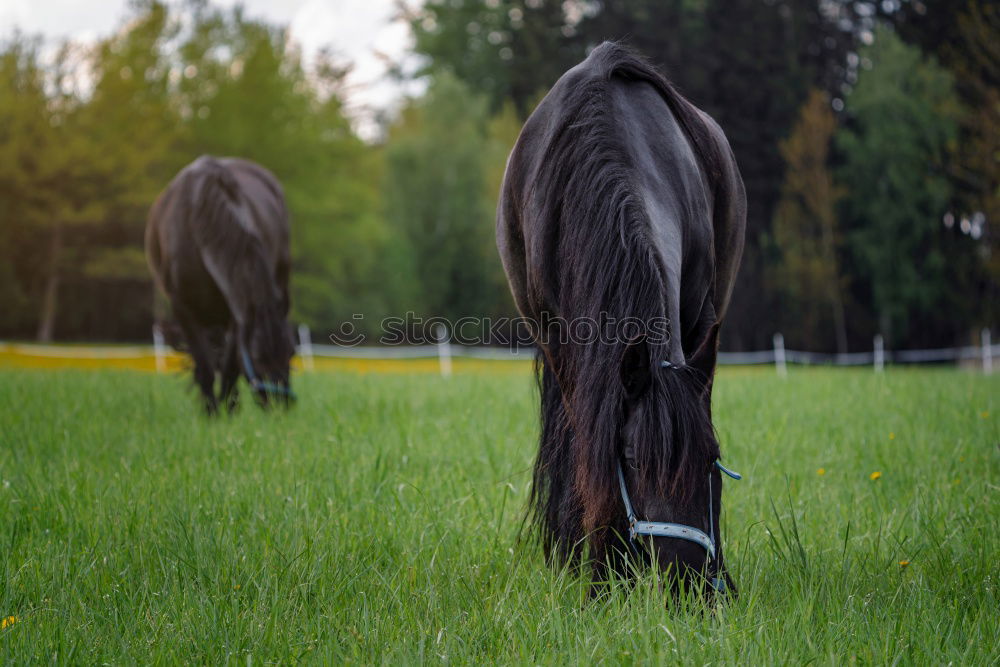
[[635, 370], [703, 360]]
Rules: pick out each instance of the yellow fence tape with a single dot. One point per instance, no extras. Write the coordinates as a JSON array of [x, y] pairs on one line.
[[141, 358]]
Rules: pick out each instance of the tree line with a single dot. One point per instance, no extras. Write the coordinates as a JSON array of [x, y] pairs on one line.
[[867, 135]]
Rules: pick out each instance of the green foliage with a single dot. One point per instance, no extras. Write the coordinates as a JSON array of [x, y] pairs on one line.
[[437, 207], [378, 521], [503, 49], [88, 137], [245, 92], [81, 167], [977, 71], [903, 114], [747, 63], [25, 133], [806, 233]]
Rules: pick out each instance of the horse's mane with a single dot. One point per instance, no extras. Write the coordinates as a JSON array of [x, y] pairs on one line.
[[599, 259], [234, 255]]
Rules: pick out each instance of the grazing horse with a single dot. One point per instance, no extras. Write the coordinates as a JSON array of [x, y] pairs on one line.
[[217, 245], [622, 212]]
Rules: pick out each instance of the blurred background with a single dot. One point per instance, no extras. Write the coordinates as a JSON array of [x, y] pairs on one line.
[[867, 133]]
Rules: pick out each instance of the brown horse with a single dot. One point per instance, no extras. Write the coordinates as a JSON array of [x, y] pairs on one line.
[[217, 245], [622, 212]]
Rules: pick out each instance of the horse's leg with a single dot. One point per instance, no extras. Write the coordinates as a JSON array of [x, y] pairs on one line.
[[204, 370], [228, 394]]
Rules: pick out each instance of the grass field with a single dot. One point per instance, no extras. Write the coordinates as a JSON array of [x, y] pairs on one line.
[[378, 522]]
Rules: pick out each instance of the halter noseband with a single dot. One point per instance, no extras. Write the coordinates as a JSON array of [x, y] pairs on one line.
[[677, 530], [262, 385]]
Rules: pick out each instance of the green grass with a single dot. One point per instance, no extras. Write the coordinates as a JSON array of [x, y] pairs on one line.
[[378, 521]]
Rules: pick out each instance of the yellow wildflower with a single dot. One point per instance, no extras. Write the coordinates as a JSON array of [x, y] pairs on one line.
[[892, 436], [10, 620], [875, 475], [821, 472], [904, 563]]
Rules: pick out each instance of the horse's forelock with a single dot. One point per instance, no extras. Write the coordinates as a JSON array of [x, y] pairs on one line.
[[674, 441], [670, 432]]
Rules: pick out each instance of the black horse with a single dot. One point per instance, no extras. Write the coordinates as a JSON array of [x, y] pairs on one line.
[[217, 245], [622, 211]]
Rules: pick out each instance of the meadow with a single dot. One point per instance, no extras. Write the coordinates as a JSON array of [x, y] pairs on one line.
[[379, 520]]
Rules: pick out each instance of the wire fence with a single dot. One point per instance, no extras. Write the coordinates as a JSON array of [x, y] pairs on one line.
[[878, 357], [444, 351]]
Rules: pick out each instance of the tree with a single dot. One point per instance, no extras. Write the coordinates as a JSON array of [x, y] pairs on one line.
[[52, 184], [436, 203], [82, 159], [962, 35], [502, 49], [902, 118], [85, 157], [805, 230], [340, 238], [246, 92], [977, 157], [25, 137], [136, 146]]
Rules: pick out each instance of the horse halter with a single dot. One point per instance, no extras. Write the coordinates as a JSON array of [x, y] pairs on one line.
[[262, 385], [677, 530]]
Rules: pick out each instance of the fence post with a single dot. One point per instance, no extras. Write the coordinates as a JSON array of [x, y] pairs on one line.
[[306, 347], [159, 349], [984, 337], [879, 355], [444, 350], [779, 354]]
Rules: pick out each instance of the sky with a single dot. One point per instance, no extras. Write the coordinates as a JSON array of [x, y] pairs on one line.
[[365, 32]]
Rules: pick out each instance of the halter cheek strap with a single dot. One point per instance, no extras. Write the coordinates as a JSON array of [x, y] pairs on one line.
[[677, 530], [261, 385], [664, 529]]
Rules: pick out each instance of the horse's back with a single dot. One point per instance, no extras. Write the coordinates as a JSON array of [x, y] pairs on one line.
[[183, 236], [265, 200], [674, 157]]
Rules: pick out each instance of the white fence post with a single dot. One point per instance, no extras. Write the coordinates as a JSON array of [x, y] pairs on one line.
[[444, 350], [159, 349], [984, 337], [779, 354], [306, 347], [879, 355]]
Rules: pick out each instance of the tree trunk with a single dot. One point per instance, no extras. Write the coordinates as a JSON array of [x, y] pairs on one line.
[[839, 321], [885, 327], [836, 300], [47, 322]]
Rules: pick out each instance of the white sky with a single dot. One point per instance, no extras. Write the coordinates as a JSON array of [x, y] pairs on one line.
[[365, 32]]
